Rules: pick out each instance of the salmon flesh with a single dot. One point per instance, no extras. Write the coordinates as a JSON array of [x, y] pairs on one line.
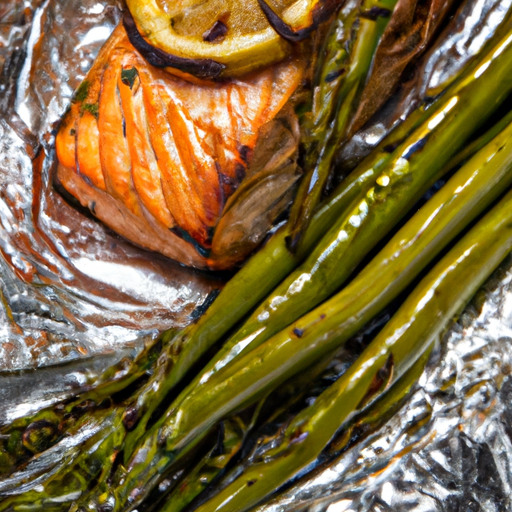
[[192, 169]]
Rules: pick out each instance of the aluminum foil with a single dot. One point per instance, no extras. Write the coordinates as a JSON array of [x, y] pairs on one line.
[[449, 448], [72, 292], [70, 289]]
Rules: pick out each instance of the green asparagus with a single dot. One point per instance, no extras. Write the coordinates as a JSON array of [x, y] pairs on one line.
[[344, 65], [371, 417], [468, 101], [37, 432], [357, 231], [253, 375], [410, 333]]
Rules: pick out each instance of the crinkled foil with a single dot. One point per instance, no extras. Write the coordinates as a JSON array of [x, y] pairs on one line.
[[71, 290], [449, 448], [74, 293]]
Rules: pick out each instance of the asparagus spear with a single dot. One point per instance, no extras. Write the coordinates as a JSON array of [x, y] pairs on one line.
[[363, 423], [344, 65], [208, 468], [270, 410], [416, 326], [463, 156], [227, 443], [296, 391], [37, 432], [87, 459], [369, 219], [272, 263], [249, 377]]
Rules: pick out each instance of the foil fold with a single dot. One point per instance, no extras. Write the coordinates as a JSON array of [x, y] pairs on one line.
[[71, 290]]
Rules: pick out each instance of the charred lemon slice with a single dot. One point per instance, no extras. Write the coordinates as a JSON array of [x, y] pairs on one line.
[[220, 38]]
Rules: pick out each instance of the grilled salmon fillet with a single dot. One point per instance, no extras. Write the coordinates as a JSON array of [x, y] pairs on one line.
[[194, 170]]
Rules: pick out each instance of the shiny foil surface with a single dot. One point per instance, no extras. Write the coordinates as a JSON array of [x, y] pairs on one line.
[[73, 292], [449, 448]]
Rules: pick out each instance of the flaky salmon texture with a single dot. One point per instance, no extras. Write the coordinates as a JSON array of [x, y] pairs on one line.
[[197, 171]]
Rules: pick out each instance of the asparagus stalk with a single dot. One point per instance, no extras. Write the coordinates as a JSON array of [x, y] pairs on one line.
[[274, 262], [91, 457], [37, 432], [382, 408], [416, 326], [344, 65], [234, 431], [208, 468], [371, 216], [463, 156], [367, 421], [295, 391], [253, 375], [229, 438]]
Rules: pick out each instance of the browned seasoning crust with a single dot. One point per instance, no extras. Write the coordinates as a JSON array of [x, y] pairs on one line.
[[192, 169]]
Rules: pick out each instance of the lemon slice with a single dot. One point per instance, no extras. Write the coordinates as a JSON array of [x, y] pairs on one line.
[[236, 35]]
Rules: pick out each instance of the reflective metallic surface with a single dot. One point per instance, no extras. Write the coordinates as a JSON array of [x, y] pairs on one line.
[[468, 31], [70, 288], [72, 292], [450, 446]]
